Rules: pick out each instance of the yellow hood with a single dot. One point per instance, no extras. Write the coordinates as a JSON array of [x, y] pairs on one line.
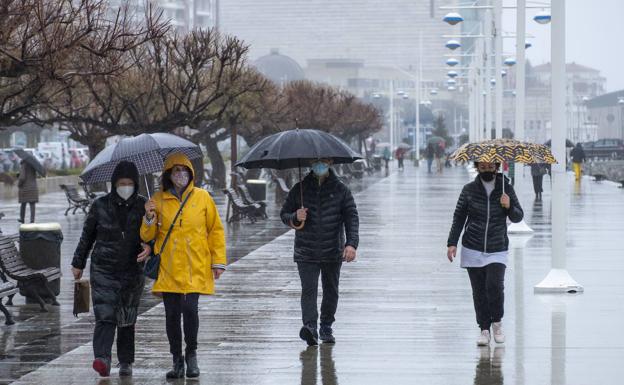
[[179, 159]]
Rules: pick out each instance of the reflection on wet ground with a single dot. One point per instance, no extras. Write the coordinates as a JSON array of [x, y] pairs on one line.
[[406, 314], [39, 338]]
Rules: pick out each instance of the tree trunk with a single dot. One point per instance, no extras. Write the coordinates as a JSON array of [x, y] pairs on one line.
[[94, 148], [216, 160]]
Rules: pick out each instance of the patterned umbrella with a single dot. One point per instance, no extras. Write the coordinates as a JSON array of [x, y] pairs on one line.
[[147, 151], [504, 150]]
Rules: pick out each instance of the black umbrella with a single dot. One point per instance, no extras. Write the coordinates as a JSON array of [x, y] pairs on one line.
[[295, 149], [147, 151], [568, 143], [31, 160]]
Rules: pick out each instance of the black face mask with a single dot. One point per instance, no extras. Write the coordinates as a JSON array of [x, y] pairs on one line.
[[487, 176]]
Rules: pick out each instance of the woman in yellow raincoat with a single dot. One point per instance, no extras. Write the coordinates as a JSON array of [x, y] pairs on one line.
[[192, 259]]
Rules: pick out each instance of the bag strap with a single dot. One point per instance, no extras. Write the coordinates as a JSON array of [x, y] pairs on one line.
[[162, 247]]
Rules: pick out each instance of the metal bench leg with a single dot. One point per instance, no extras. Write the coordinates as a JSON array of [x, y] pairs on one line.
[[8, 317], [33, 293], [51, 293], [75, 208], [10, 300], [67, 211]]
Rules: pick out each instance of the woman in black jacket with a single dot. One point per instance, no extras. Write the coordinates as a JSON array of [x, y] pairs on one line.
[[111, 235], [482, 211]]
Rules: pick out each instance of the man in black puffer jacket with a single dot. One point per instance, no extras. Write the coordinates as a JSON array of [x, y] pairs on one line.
[[111, 235], [482, 211], [329, 236]]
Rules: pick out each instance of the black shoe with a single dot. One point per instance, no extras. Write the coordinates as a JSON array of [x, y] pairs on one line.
[[178, 368], [309, 335], [125, 370], [192, 370], [326, 335], [102, 366]]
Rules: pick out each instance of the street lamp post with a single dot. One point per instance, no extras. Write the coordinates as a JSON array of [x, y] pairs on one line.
[[558, 279], [522, 227]]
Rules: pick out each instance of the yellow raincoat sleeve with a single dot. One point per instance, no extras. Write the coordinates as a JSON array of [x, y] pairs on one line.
[[216, 236], [149, 231]]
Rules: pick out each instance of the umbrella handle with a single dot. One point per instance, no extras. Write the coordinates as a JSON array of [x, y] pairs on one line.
[[297, 227]]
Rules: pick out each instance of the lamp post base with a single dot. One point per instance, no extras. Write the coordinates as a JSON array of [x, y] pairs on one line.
[[519, 228], [558, 281]]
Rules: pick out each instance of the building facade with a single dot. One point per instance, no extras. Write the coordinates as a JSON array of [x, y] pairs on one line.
[[606, 113], [376, 33]]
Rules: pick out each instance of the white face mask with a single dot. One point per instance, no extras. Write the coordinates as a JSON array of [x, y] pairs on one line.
[[125, 192], [180, 178]]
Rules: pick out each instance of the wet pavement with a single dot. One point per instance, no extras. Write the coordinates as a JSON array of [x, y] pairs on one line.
[[405, 314]]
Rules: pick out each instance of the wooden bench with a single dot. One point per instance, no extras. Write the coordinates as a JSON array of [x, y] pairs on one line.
[[7, 289], [74, 199], [246, 197], [28, 279], [240, 209], [90, 194]]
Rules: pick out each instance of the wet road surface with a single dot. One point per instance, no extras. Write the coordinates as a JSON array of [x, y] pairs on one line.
[[405, 314]]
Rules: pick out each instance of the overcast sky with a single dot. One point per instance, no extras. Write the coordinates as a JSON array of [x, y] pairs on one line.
[[594, 37]]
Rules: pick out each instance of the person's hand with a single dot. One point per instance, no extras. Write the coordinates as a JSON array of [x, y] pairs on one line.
[[217, 273], [147, 250], [77, 273], [451, 253], [150, 209], [349, 254], [505, 201], [302, 215]]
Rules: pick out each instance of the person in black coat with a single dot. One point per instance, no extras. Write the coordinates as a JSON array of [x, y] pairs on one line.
[[481, 213], [111, 235], [327, 234], [538, 170]]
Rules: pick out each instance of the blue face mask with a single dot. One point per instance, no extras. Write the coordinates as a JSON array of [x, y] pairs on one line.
[[320, 168]]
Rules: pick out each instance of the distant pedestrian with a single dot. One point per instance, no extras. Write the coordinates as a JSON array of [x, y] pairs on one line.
[[111, 236], [386, 157], [28, 192], [400, 155], [192, 259], [328, 214], [440, 156], [481, 212], [578, 158], [430, 155], [538, 170]]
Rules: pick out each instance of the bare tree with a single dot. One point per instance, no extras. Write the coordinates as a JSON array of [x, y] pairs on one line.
[[43, 46]]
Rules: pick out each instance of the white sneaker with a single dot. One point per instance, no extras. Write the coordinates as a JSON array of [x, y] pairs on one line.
[[484, 338], [497, 328]]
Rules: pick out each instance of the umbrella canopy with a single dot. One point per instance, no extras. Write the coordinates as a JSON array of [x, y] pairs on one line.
[[297, 148], [147, 151], [404, 146], [435, 140], [382, 145], [569, 143], [31, 160], [504, 150]]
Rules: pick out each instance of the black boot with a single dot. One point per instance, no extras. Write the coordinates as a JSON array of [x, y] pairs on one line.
[[192, 370], [178, 368], [125, 369]]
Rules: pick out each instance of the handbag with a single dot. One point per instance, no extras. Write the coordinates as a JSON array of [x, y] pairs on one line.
[[153, 263], [82, 296]]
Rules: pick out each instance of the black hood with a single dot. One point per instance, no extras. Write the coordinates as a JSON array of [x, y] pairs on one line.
[[126, 170]]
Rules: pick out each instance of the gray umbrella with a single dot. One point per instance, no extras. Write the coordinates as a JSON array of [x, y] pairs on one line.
[[147, 151], [31, 160]]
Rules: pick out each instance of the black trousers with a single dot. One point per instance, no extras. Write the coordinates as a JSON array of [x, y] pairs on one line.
[[103, 337], [488, 285], [537, 183], [330, 277], [180, 307], [23, 211]]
